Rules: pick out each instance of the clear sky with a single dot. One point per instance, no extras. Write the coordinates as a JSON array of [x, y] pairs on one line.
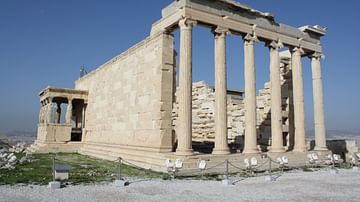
[[45, 42]]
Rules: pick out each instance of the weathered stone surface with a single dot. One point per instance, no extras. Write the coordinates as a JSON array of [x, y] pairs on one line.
[[203, 107], [130, 106], [123, 103], [8, 159]]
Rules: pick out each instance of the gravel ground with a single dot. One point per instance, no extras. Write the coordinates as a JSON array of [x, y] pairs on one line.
[[294, 186]]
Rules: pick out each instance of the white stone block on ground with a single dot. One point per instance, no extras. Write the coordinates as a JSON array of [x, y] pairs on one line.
[[270, 178], [226, 182], [119, 183], [54, 185]]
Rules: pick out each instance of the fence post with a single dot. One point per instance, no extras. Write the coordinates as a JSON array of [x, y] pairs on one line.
[[120, 182], [227, 169], [174, 172], [119, 168], [226, 181], [270, 168], [53, 168], [54, 184]]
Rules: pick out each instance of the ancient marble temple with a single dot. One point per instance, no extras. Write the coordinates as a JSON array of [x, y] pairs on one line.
[[130, 107]]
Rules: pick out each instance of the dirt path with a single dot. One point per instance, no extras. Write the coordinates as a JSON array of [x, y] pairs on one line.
[[295, 186]]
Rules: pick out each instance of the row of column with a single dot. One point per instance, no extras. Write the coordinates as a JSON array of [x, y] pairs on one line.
[[221, 142], [46, 111]]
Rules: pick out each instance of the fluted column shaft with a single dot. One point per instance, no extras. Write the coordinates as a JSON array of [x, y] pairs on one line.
[[221, 142], [185, 85], [298, 92], [250, 95], [319, 120], [276, 109], [69, 112]]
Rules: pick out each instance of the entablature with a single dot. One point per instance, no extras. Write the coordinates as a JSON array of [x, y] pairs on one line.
[[239, 19], [65, 93]]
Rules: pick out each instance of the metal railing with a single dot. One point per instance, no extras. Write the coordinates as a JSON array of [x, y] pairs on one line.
[[251, 169]]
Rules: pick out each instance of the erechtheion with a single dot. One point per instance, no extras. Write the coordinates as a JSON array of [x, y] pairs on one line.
[[130, 107]]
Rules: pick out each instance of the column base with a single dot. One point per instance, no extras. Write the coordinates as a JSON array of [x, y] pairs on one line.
[[317, 148], [187, 152], [300, 149], [220, 151], [277, 150], [251, 151]]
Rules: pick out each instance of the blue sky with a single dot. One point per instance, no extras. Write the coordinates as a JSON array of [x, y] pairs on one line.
[[45, 42]]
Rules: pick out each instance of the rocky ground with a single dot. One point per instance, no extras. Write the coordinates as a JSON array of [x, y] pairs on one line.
[[9, 155], [293, 186]]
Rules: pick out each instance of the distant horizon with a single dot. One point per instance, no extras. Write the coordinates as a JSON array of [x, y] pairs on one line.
[[309, 133]]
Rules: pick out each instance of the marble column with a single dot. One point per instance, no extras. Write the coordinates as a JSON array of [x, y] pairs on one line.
[[319, 120], [45, 112], [185, 88], [41, 113], [291, 116], [221, 141], [298, 93], [49, 110], [69, 111], [277, 144], [250, 95], [58, 113], [83, 116]]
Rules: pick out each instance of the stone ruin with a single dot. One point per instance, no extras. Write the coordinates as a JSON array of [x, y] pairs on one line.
[[203, 107], [130, 107], [8, 159]]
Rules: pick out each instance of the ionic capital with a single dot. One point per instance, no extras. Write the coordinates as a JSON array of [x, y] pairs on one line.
[[50, 99], [221, 31], [252, 38], [300, 40], [167, 31], [298, 50], [275, 45], [316, 56], [187, 23]]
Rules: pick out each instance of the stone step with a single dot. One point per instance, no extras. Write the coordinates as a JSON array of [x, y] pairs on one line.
[[53, 147], [236, 162], [154, 161]]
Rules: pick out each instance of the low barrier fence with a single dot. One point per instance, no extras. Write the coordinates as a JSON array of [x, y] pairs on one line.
[[274, 168]]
